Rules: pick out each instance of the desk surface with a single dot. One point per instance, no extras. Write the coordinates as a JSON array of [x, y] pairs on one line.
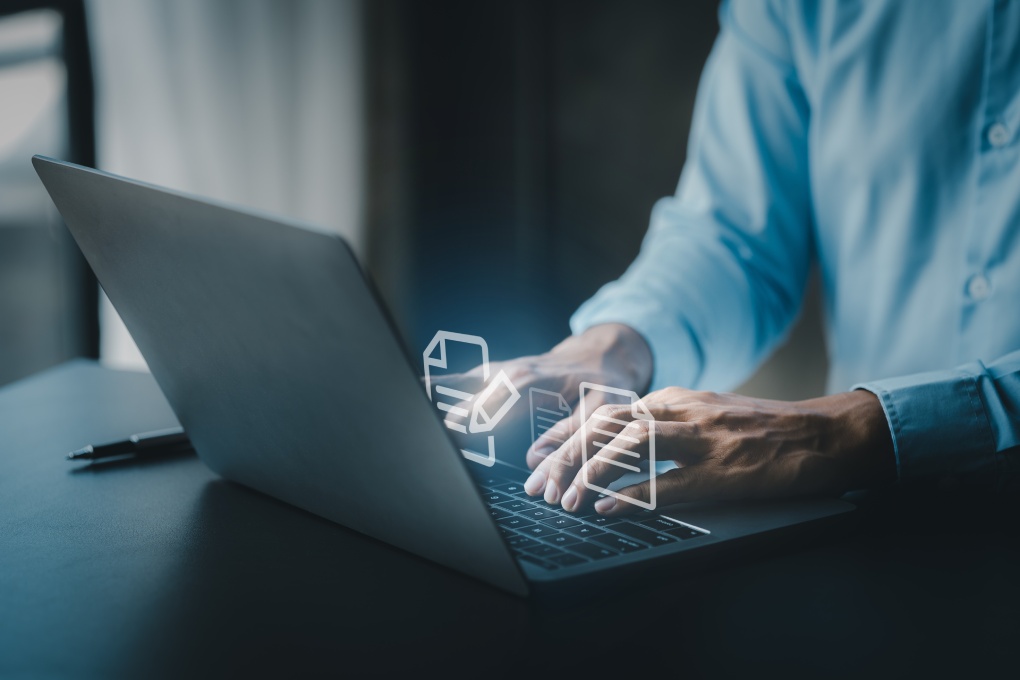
[[164, 569]]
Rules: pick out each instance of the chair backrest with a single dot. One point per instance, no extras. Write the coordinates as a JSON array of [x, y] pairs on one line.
[[48, 296]]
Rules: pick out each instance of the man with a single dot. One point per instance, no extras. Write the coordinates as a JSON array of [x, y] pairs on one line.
[[880, 140]]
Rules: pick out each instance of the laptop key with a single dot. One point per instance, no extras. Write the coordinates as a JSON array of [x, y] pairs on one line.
[[659, 524], [510, 488], [543, 550], [515, 505], [497, 513], [561, 539], [493, 497], [641, 533], [584, 531], [519, 542], [536, 513], [537, 531], [535, 560], [567, 560], [591, 550], [560, 522], [661, 539], [683, 533], [600, 521], [515, 522], [619, 543]]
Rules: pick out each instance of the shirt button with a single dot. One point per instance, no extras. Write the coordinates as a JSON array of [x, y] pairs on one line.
[[978, 287], [998, 135]]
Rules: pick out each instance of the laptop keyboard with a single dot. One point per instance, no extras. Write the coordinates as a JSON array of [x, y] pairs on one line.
[[552, 538]]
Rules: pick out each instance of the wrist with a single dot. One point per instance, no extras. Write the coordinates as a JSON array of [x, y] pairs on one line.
[[858, 433], [614, 350]]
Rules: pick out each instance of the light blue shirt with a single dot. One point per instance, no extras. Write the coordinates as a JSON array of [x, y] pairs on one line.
[[880, 141]]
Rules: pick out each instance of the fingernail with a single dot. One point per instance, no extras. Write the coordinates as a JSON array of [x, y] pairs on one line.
[[535, 482], [569, 499], [544, 451], [552, 493], [604, 505]]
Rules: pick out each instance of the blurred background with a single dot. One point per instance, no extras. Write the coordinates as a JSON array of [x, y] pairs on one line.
[[492, 163]]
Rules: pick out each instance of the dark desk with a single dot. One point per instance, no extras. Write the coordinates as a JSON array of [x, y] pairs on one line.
[[163, 569]]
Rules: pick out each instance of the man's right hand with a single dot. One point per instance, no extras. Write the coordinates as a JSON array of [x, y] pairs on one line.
[[608, 354]]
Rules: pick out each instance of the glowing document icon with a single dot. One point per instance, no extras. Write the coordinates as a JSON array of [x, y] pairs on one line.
[[608, 431], [482, 417], [547, 409]]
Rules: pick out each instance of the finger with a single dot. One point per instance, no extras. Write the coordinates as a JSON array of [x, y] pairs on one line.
[[560, 433], [562, 463], [552, 439], [641, 441], [703, 481], [605, 423], [610, 454]]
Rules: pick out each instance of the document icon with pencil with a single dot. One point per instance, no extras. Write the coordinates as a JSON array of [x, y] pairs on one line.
[[547, 409], [470, 414], [609, 431]]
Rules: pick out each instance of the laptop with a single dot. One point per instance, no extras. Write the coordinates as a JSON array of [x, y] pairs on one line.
[[283, 366]]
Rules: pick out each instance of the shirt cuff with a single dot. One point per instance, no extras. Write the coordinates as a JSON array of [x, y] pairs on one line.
[[676, 355], [938, 423]]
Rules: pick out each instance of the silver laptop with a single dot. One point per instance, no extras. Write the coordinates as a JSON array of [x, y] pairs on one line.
[[281, 363]]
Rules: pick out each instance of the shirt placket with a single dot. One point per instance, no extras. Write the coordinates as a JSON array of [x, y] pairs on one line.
[[995, 167]]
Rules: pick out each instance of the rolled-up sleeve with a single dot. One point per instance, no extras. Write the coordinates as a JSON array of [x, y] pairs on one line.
[[722, 269], [947, 423]]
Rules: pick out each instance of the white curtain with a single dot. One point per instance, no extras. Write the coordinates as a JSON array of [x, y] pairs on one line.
[[256, 102]]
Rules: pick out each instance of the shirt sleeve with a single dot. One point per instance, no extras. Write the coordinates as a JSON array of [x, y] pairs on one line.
[[948, 423], [722, 269]]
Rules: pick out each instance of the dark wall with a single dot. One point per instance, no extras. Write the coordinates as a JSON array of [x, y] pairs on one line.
[[516, 151], [535, 138], [625, 76]]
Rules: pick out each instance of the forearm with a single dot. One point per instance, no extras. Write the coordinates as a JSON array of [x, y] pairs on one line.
[[722, 270], [856, 435]]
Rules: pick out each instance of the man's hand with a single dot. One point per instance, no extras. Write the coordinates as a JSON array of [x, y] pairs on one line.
[[728, 447], [607, 354]]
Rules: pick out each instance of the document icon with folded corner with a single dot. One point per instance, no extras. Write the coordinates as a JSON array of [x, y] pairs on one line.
[[610, 429], [547, 409], [481, 417]]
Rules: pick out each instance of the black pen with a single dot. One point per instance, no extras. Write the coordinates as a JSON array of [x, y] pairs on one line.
[[160, 442]]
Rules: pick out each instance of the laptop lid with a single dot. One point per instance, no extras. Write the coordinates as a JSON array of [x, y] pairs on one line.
[[281, 364]]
